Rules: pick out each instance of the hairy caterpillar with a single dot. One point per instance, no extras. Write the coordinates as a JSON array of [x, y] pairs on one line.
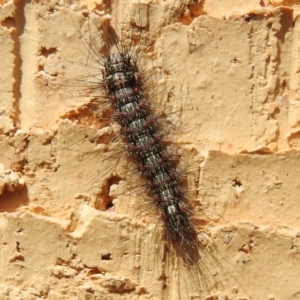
[[237, 70], [201, 274], [132, 110]]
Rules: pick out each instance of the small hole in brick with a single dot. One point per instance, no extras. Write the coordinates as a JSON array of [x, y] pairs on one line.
[[106, 256]]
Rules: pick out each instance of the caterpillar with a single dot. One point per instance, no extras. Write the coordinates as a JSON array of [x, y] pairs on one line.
[[123, 88], [191, 261], [70, 234], [145, 144]]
